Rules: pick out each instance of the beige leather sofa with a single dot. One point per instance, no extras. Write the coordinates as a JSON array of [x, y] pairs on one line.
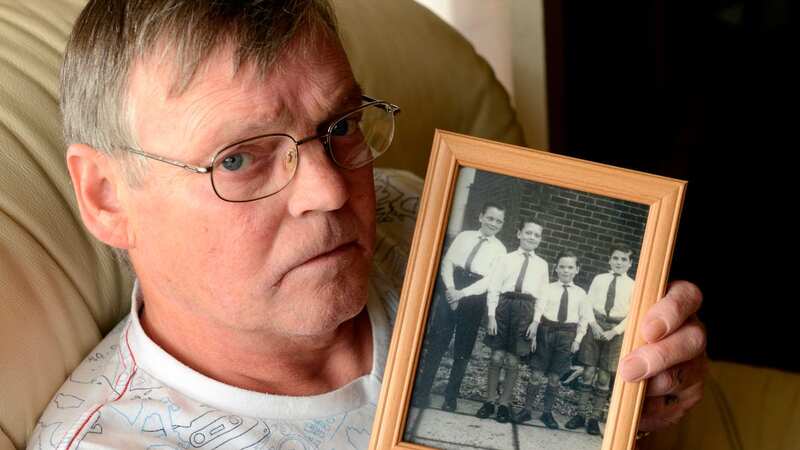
[[60, 290]]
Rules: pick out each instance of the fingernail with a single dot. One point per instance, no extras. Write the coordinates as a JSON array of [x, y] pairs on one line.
[[654, 330], [634, 368]]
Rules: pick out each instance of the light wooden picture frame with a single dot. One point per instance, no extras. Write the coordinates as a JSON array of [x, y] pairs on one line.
[[582, 206]]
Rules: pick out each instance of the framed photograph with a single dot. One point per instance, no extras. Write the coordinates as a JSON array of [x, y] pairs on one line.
[[528, 275]]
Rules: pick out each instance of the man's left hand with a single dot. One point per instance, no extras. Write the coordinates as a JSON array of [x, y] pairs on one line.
[[673, 359]]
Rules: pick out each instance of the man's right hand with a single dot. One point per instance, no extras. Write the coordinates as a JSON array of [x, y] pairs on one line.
[[491, 327], [453, 296]]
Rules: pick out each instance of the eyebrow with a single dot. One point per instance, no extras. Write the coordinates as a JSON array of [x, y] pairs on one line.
[[351, 98]]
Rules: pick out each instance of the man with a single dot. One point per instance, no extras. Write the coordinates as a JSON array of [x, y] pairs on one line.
[[217, 144], [464, 270]]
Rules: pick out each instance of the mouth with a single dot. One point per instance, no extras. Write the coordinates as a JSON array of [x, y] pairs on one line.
[[344, 251], [335, 253]]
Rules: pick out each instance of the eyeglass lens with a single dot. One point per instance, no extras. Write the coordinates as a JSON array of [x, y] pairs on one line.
[[263, 166]]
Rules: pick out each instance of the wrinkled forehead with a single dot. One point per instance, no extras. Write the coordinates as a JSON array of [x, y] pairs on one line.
[[166, 63], [229, 100]]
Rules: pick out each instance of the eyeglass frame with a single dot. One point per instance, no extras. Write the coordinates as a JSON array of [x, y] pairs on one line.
[[325, 139]]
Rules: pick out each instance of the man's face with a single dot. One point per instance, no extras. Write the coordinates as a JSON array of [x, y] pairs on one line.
[[566, 269], [530, 236], [620, 262], [295, 263], [491, 221]]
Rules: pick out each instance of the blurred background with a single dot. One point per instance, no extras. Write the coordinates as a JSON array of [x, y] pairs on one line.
[[703, 91]]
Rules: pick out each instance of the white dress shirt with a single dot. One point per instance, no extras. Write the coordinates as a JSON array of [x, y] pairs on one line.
[[622, 300], [505, 273], [482, 263], [579, 310]]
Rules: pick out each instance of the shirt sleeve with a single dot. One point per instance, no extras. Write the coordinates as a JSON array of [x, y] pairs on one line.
[[620, 327], [592, 294], [448, 265], [495, 284], [539, 306], [585, 316]]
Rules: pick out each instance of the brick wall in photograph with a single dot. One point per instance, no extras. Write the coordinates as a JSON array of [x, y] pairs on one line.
[[583, 222]]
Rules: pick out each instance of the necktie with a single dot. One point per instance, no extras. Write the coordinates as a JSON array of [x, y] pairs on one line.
[[612, 293], [521, 276], [468, 265], [562, 308]]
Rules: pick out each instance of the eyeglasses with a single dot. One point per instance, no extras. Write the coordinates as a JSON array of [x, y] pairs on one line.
[[260, 166]]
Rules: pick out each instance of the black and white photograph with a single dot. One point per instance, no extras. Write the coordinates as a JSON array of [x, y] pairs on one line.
[[527, 316]]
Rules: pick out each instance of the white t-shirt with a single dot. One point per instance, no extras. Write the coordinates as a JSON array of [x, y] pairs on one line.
[[130, 393]]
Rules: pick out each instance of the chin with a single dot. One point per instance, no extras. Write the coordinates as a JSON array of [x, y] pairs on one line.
[[322, 305]]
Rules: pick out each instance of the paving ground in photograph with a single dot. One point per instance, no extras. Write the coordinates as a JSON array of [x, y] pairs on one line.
[[462, 430]]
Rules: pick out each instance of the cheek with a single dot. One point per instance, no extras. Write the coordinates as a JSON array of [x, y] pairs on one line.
[[362, 201]]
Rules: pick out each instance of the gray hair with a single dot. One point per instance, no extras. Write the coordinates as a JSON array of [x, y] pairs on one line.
[[110, 36]]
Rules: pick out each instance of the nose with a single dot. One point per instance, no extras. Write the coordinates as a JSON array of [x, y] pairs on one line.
[[318, 184]]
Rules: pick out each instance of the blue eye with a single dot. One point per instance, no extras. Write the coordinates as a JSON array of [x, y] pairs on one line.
[[233, 162]]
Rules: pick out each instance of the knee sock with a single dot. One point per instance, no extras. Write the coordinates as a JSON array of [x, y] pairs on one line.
[[549, 397], [512, 373], [493, 380], [599, 403], [532, 392], [585, 397]]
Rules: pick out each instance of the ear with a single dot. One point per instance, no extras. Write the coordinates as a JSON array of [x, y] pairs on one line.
[[96, 183]]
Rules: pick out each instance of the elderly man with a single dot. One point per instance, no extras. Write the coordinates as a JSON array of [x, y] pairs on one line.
[[226, 148]]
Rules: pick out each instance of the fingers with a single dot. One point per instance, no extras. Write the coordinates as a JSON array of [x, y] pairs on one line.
[[682, 300], [678, 378], [687, 343], [664, 411]]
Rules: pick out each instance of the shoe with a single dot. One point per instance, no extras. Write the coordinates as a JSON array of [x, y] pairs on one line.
[[523, 415], [549, 421], [576, 422], [486, 410], [503, 414], [592, 427], [449, 405]]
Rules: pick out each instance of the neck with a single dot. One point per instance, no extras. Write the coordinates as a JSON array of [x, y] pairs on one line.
[[263, 361]]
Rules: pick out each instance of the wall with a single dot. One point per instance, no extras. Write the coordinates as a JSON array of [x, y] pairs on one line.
[[510, 35]]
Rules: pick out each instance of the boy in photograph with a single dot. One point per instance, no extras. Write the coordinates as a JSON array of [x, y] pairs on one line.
[[464, 273], [516, 282], [610, 297], [560, 319]]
